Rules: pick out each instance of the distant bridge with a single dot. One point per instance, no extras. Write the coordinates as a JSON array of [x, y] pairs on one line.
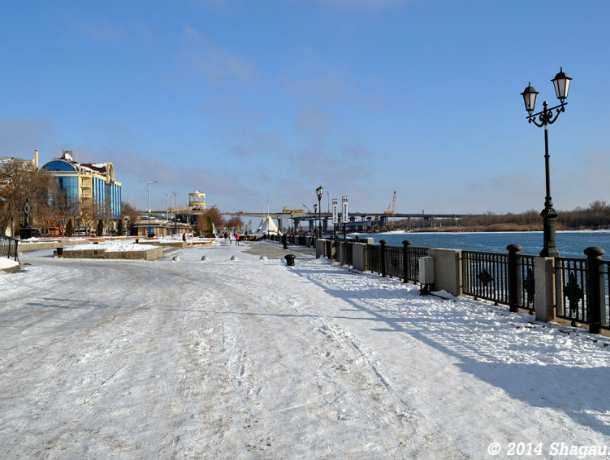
[[328, 215], [359, 221]]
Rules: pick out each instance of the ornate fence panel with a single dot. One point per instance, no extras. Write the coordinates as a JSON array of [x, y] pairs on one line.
[[8, 247], [393, 261], [485, 275], [528, 283], [374, 257], [348, 254], [571, 279], [606, 295], [414, 253]]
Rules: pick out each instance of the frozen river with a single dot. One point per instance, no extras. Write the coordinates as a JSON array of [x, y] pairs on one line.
[[251, 359], [570, 244]]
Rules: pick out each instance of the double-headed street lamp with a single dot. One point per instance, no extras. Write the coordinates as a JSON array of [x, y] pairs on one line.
[[344, 214], [320, 194], [543, 119], [335, 218]]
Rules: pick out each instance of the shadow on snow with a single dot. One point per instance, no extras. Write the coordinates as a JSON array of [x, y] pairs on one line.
[[537, 384]]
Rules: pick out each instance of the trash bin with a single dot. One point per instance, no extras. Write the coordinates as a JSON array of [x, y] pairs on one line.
[[60, 252], [289, 260]]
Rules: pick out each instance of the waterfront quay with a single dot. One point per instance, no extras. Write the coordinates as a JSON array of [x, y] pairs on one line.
[[235, 356]]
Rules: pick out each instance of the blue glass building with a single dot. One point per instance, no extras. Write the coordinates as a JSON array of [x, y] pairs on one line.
[[90, 188]]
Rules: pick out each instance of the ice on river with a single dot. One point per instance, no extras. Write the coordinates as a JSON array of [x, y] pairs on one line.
[[253, 359]]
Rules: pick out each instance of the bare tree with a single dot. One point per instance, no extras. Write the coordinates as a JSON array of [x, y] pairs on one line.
[[21, 181]]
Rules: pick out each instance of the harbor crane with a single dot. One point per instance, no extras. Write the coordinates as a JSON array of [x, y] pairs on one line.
[[391, 209]]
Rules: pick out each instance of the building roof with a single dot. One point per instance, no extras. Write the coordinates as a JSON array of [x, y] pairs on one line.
[[101, 168], [66, 162]]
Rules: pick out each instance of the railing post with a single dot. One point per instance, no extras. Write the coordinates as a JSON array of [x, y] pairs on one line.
[[594, 299], [513, 276], [382, 257], [405, 260]]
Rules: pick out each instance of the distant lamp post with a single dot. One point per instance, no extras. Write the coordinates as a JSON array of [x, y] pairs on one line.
[[320, 194], [315, 213], [335, 217], [148, 184], [344, 214], [547, 116]]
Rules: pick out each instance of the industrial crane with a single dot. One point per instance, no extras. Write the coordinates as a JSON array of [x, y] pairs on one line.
[[391, 210]]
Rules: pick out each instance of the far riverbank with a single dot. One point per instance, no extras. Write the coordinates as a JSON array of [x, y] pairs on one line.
[[499, 228], [570, 243]]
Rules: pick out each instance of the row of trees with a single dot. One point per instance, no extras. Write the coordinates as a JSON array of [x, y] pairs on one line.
[[595, 216], [213, 216]]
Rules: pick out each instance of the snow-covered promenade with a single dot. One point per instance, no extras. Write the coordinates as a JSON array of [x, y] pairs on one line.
[[251, 359]]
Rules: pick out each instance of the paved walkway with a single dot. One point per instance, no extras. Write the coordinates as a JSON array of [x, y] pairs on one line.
[[274, 250], [251, 359]]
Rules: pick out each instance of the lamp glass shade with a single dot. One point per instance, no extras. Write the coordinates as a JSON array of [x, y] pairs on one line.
[[529, 98], [561, 82]]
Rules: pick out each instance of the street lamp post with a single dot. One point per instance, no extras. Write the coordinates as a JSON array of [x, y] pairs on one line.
[[344, 214], [543, 119], [335, 218], [320, 194], [148, 184]]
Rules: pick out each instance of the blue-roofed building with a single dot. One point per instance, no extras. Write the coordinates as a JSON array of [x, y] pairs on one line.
[[89, 189]]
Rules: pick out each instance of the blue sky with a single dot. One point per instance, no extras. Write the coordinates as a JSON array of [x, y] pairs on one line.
[[258, 102]]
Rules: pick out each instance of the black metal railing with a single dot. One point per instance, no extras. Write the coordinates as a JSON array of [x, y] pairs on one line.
[[373, 257], [582, 285], [9, 247], [571, 282], [528, 282], [413, 254], [582, 288], [393, 261], [485, 276], [347, 253], [605, 316]]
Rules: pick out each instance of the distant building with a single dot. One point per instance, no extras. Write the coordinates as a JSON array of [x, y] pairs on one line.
[[197, 200], [25, 162], [90, 188], [147, 226]]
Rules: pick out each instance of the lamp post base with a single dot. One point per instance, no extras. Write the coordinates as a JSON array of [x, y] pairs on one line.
[[549, 216]]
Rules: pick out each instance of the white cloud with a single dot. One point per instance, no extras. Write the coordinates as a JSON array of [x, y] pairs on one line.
[[215, 62]]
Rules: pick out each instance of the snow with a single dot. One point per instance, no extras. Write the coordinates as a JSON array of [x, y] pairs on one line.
[[111, 246], [7, 264], [189, 239], [253, 359]]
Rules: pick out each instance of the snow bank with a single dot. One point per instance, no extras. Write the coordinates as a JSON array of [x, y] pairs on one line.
[[111, 246], [7, 264]]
